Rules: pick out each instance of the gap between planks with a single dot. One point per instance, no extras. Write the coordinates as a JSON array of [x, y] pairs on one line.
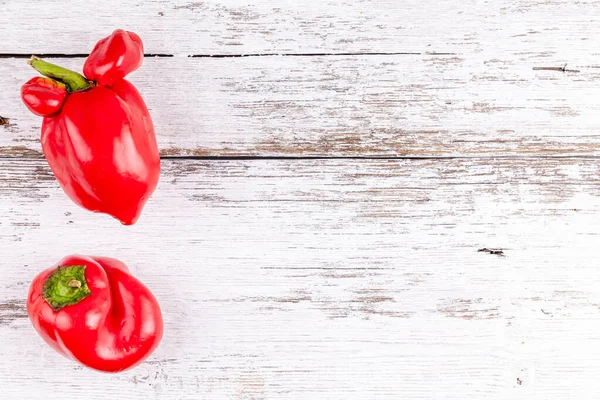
[[357, 158], [83, 55]]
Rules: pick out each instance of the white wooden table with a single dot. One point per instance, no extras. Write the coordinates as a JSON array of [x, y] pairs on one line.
[[330, 171]]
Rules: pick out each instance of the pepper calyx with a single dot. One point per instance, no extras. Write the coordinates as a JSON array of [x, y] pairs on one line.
[[65, 286]]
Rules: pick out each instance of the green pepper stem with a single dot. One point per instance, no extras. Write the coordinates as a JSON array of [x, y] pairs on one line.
[[65, 286], [75, 82]]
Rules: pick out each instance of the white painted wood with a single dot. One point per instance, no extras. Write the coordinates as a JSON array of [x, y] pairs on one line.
[[347, 105], [329, 279], [550, 29]]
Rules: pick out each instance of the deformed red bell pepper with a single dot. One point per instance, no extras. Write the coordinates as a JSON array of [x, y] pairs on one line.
[[92, 310], [97, 133]]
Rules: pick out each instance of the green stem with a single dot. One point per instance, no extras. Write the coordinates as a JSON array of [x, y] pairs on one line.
[[66, 286], [75, 82]]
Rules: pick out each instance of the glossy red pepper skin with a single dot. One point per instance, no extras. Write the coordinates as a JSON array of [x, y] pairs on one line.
[[114, 57], [113, 328], [102, 150], [101, 143], [43, 96]]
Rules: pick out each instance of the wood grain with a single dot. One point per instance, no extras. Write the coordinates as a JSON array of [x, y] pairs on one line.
[[346, 106], [551, 29], [471, 273], [330, 279]]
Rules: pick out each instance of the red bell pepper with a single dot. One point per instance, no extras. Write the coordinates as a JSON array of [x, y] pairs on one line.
[[97, 133], [92, 310]]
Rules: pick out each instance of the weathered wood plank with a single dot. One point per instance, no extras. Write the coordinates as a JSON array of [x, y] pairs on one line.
[[329, 279], [346, 106], [548, 29]]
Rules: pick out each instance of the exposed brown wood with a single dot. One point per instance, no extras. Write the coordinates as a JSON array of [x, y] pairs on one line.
[[561, 69], [555, 31], [345, 106], [292, 260], [379, 256]]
